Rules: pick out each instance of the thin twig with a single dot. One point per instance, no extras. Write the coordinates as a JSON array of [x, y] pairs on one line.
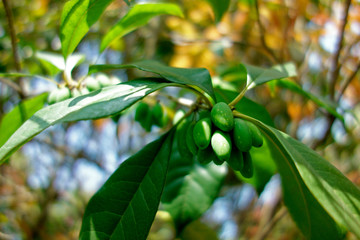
[[14, 48], [9, 17], [11, 84], [267, 229], [346, 83], [333, 76], [334, 65], [262, 34]]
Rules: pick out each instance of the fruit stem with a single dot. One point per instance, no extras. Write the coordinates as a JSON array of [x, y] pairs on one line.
[[238, 97], [197, 92]]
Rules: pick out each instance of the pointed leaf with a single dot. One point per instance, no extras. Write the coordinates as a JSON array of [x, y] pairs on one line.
[[139, 15], [13, 119], [219, 8], [315, 192], [199, 77], [76, 19], [54, 59], [125, 206], [321, 102], [101, 103], [258, 76], [190, 188]]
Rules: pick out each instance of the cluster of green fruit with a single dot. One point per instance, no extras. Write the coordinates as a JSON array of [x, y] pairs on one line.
[[212, 136], [90, 84], [148, 115]]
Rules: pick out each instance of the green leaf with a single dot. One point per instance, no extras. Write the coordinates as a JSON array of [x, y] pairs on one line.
[[219, 7], [138, 15], [98, 104], [190, 188], [54, 59], [317, 194], [321, 102], [199, 77], [76, 19], [13, 119], [258, 76], [125, 206]]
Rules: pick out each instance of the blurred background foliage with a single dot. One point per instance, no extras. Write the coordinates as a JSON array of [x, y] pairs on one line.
[[45, 188]]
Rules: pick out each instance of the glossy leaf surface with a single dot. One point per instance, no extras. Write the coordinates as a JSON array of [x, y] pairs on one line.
[[258, 75], [76, 19], [125, 206], [19, 114], [190, 188], [139, 15], [199, 77], [98, 104], [315, 192]]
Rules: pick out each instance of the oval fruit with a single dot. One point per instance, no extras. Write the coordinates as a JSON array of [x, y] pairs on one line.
[[141, 111], [62, 94], [92, 84], [52, 97], [181, 131], [190, 139], [242, 135], [157, 113], [218, 161], [205, 156], [236, 161], [257, 137], [221, 144], [202, 133], [103, 80], [75, 92], [178, 116], [247, 170], [222, 117], [146, 122]]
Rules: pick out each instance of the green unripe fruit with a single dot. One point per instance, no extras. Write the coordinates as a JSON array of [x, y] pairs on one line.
[[58, 95], [92, 84], [181, 131], [247, 170], [202, 133], [103, 80], [178, 115], [147, 122], [52, 97], [236, 161], [190, 139], [242, 135], [63, 94], [141, 111], [221, 144], [222, 117], [84, 91], [75, 92], [206, 155], [257, 137], [204, 114], [218, 161], [157, 113]]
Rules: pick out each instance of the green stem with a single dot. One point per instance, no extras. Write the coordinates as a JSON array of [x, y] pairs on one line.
[[208, 102], [238, 97]]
